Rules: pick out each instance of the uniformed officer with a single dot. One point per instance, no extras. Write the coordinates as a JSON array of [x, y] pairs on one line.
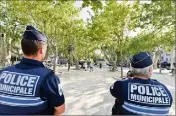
[[141, 94], [29, 87]]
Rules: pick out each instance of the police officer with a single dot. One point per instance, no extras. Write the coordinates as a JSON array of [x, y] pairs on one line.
[[141, 95], [29, 87]]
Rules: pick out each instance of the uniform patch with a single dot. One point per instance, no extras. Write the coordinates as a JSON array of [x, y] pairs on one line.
[[18, 83], [60, 89], [148, 94]]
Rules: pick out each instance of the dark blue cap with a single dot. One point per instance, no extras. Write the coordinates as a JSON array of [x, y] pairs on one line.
[[141, 60], [33, 34]]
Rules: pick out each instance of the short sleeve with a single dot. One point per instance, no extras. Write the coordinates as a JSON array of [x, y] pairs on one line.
[[51, 90], [116, 90]]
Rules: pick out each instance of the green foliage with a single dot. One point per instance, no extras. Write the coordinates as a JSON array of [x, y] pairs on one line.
[[95, 4], [107, 30], [157, 24]]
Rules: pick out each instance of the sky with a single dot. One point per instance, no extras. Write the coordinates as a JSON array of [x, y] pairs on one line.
[[83, 14]]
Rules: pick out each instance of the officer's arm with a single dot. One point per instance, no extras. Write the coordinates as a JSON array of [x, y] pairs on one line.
[[52, 91], [59, 110], [115, 89]]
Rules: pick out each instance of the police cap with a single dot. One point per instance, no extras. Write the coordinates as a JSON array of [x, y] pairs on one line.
[[141, 60], [33, 34]]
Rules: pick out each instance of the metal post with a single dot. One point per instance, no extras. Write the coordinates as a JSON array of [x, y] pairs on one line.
[[2, 39], [160, 61]]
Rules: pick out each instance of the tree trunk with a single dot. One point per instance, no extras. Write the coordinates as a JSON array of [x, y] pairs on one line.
[[69, 60], [121, 55], [130, 66], [47, 54], [77, 64], [114, 66], [55, 59], [8, 52], [2, 52], [155, 59], [68, 64], [75, 61], [172, 56], [160, 62]]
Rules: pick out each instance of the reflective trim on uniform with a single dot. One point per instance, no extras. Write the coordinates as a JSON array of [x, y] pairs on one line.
[[20, 98], [145, 110], [20, 102], [146, 107]]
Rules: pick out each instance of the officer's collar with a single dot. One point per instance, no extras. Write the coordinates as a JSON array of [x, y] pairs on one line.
[[31, 62], [141, 78]]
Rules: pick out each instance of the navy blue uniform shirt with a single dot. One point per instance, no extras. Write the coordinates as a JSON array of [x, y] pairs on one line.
[[141, 96], [51, 88]]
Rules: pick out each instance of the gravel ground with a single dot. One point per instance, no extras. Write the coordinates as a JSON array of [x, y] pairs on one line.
[[87, 93]]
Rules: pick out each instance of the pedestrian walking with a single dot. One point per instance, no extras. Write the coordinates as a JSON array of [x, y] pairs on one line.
[[91, 66]]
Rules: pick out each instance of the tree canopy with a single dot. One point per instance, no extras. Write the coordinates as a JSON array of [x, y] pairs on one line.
[[108, 30]]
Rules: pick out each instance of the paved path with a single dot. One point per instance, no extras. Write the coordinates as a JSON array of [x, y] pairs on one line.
[[87, 93]]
